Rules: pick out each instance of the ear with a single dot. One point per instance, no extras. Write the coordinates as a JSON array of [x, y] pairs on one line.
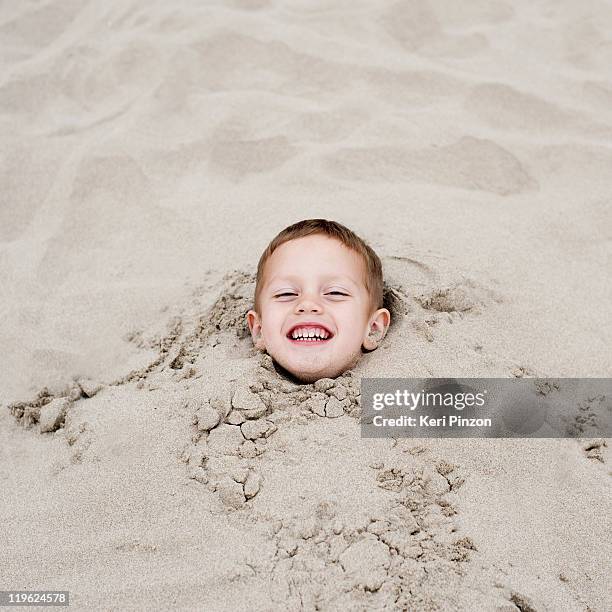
[[377, 329], [255, 328]]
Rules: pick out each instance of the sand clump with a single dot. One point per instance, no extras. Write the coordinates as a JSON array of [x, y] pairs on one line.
[[235, 435], [399, 556], [52, 415]]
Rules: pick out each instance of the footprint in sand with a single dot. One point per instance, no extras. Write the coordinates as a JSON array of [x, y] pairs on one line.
[[220, 60], [469, 163], [239, 158], [39, 27], [446, 302], [19, 186], [595, 449]]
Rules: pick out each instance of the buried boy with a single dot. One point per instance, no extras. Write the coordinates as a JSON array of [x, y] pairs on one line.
[[318, 300]]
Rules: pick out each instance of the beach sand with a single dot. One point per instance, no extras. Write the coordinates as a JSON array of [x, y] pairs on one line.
[[149, 152]]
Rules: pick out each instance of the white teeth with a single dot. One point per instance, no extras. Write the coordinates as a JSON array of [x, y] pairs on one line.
[[309, 334]]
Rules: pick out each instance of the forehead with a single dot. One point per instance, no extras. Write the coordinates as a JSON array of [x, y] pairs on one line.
[[315, 256]]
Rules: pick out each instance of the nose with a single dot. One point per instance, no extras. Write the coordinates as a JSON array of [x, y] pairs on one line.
[[308, 304]]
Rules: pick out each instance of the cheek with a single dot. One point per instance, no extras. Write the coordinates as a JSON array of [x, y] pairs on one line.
[[354, 320], [272, 321]]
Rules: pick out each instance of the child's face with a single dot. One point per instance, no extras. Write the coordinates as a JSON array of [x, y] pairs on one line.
[[316, 284]]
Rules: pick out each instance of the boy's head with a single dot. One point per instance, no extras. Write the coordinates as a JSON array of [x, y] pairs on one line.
[[318, 279]]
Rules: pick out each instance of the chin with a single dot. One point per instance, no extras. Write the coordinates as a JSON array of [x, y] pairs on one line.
[[302, 374], [307, 374], [310, 376]]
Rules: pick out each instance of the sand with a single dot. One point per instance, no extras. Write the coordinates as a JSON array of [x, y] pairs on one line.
[[149, 457]]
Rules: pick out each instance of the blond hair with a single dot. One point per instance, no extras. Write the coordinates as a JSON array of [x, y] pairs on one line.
[[374, 275]]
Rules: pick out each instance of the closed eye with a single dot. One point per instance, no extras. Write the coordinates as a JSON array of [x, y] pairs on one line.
[[328, 293]]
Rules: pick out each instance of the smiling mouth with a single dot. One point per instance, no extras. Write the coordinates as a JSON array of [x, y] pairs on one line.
[[309, 336]]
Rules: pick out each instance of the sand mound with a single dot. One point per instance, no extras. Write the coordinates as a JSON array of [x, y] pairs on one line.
[[379, 531], [249, 435]]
